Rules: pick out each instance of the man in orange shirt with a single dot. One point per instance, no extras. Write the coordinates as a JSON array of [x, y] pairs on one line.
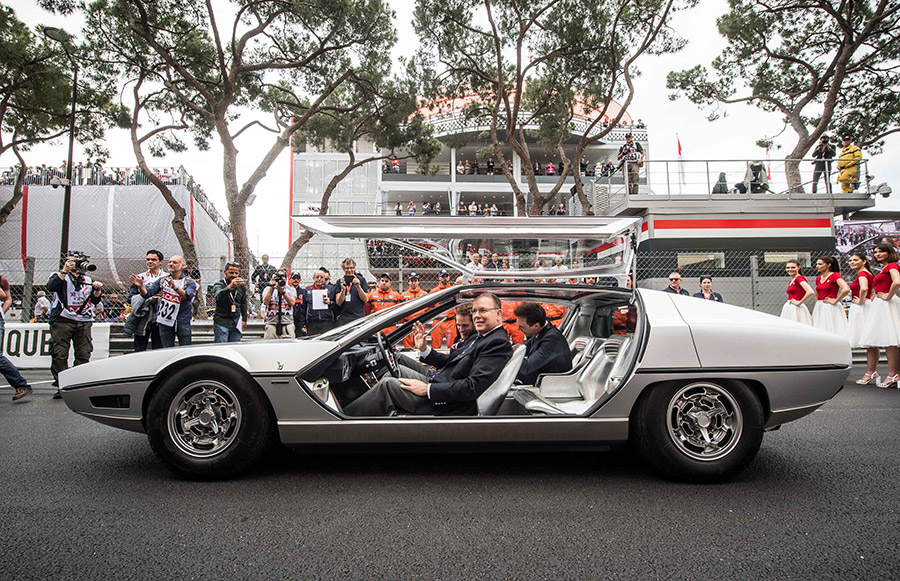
[[555, 313], [382, 298], [509, 318], [413, 291], [446, 325]]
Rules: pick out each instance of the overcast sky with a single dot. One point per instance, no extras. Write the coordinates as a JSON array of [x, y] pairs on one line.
[[732, 137]]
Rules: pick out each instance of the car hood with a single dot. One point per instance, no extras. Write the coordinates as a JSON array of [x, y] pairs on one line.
[[287, 356], [730, 336]]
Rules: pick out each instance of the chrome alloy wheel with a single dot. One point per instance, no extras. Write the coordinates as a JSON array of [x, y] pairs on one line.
[[704, 421], [204, 418]]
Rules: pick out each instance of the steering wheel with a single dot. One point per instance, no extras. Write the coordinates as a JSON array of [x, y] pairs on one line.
[[387, 352]]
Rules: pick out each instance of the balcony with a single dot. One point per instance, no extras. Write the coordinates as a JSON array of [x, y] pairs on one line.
[[457, 123], [730, 185]]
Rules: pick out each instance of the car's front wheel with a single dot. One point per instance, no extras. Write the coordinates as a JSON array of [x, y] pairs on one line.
[[702, 431], [209, 421]]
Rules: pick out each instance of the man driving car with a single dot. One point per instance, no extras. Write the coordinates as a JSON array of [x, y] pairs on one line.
[[464, 329], [462, 375]]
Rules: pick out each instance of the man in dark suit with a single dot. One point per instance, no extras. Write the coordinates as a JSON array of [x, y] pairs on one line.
[[462, 375], [546, 350]]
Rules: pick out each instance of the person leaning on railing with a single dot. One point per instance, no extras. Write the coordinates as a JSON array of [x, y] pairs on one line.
[[848, 165]]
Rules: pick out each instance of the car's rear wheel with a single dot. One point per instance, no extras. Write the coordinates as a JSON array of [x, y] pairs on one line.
[[702, 431], [209, 421]]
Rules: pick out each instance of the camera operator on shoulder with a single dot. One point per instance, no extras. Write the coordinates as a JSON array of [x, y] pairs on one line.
[[72, 313], [279, 298], [173, 312]]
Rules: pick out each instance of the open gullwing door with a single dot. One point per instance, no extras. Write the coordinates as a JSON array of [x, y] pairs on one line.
[[588, 246]]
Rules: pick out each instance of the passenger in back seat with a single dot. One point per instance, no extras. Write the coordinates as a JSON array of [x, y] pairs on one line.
[[546, 350]]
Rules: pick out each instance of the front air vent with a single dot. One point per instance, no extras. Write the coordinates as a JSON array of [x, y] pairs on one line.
[[122, 401]]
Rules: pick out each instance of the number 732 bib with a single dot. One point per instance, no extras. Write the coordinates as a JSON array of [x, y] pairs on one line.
[[169, 303]]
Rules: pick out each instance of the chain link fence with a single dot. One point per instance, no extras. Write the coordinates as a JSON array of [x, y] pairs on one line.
[[746, 278], [751, 279]]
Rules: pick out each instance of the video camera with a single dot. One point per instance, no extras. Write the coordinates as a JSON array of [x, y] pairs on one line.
[[82, 262]]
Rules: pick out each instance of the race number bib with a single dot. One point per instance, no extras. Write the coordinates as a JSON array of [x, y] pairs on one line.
[[169, 303]]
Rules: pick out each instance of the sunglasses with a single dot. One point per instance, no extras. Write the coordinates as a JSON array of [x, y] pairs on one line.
[[674, 279]]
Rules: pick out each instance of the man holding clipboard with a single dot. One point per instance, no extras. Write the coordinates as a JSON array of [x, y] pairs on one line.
[[317, 316]]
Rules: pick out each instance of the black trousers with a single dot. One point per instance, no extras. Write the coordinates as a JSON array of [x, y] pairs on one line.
[[152, 337], [318, 327], [817, 175], [388, 396]]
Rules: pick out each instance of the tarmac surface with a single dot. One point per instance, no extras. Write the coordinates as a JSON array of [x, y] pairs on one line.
[[86, 501]]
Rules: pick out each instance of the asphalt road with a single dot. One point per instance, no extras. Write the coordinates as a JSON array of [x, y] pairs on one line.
[[85, 501]]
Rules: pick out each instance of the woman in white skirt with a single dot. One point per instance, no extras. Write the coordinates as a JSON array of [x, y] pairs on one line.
[[861, 291], [882, 328], [798, 291], [828, 314]]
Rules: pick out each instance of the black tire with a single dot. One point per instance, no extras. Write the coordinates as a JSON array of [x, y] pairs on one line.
[[229, 394], [671, 450]]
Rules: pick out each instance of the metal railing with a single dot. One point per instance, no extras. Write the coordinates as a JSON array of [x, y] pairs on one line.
[[736, 178], [456, 122]]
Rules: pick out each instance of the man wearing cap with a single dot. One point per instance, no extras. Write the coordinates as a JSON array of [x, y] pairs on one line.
[[848, 165], [383, 297], [446, 325], [413, 291], [299, 308], [632, 156]]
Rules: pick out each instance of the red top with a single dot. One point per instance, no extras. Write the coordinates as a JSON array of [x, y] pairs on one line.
[[795, 292], [883, 278], [854, 286], [828, 288]]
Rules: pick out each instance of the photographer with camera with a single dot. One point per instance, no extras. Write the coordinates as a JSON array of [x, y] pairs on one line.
[[349, 294], [232, 308], [72, 313], [279, 298], [173, 312]]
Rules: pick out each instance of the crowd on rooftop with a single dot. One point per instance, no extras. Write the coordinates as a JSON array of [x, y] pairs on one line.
[[93, 173]]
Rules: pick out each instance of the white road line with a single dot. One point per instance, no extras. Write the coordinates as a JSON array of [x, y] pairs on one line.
[[29, 383]]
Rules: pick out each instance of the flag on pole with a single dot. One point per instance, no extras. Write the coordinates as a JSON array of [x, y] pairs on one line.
[[768, 165], [682, 180]]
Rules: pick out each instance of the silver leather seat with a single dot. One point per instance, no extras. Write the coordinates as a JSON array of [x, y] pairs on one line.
[[590, 383], [582, 348], [491, 399]]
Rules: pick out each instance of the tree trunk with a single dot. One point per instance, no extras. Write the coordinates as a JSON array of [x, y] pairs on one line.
[[298, 243], [18, 191], [188, 249], [792, 173]]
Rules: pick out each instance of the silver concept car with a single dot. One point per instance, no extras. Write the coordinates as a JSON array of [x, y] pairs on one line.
[[692, 384]]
